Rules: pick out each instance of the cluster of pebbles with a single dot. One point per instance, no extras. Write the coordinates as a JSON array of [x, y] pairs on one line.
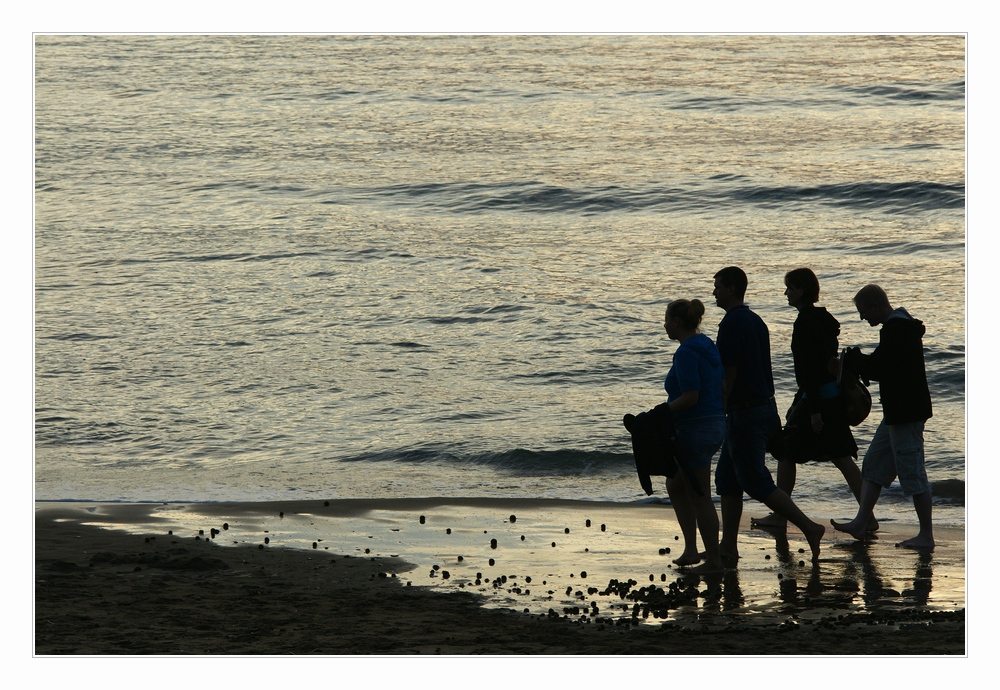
[[636, 604]]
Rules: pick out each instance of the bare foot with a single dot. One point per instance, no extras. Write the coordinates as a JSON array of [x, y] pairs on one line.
[[729, 558], [772, 521], [687, 559], [814, 537], [917, 542], [708, 569], [872, 525], [850, 528]]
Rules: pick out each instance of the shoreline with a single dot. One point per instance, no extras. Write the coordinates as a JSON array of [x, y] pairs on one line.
[[136, 589]]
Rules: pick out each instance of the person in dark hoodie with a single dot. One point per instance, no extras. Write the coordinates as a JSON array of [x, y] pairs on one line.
[[817, 426], [897, 448]]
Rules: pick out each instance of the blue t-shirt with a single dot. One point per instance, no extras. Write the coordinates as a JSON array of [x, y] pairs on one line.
[[697, 367], [745, 343]]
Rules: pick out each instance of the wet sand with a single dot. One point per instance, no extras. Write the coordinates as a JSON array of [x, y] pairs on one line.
[[477, 576]]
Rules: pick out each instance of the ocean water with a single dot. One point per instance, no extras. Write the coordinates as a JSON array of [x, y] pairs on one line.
[[273, 267]]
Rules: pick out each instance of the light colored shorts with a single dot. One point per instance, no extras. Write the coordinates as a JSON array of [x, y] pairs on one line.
[[897, 450]]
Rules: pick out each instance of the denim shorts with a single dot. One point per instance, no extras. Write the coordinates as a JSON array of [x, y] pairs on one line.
[[741, 467], [696, 442], [897, 449]]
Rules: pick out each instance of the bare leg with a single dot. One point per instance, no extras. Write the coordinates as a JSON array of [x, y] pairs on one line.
[[785, 482], [925, 538], [781, 503], [852, 475], [732, 513], [708, 525], [858, 527], [681, 498]]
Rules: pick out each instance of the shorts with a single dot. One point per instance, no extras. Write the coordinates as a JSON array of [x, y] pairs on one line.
[[696, 442], [741, 467], [897, 450]]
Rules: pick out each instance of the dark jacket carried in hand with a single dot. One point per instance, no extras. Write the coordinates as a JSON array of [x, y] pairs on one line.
[[898, 365], [652, 446]]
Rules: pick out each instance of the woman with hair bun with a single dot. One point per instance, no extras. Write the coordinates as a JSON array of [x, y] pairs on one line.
[[694, 396]]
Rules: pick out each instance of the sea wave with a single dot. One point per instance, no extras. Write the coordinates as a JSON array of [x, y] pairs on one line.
[[519, 461], [536, 197]]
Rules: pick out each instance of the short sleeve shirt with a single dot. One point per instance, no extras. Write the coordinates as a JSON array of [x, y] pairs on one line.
[[696, 367], [745, 343]]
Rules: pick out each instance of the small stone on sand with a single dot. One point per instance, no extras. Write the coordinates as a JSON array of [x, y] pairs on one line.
[[225, 525], [513, 518], [493, 543], [604, 528], [422, 519], [492, 562], [588, 523]]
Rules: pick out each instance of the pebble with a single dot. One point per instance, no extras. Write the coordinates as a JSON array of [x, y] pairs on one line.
[[553, 544], [588, 523], [225, 525], [327, 504], [422, 519], [448, 531], [260, 546], [492, 562], [802, 562], [315, 545], [513, 518], [522, 537], [566, 531], [583, 574], [493, 543], [281, 514], [604, 528], [267, 540], [460, 559]]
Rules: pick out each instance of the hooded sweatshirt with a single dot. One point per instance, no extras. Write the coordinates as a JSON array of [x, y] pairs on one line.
[[898, 366]]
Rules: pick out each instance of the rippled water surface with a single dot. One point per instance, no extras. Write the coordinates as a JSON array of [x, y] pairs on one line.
[[400, 266]]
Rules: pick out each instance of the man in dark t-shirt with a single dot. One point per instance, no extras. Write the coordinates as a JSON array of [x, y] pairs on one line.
[[751, 417]]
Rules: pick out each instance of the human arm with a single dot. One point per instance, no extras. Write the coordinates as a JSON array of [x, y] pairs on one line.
[[727, 385], [686, 401]]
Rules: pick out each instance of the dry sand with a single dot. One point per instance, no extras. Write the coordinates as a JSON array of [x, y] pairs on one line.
[[112, 580]]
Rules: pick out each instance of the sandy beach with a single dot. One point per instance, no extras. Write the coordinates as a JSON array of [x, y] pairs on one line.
[[471, 577]]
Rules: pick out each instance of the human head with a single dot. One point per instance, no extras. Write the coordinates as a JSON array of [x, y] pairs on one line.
[[683, 313], [730, 287], [805, 280], [873, 304]]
